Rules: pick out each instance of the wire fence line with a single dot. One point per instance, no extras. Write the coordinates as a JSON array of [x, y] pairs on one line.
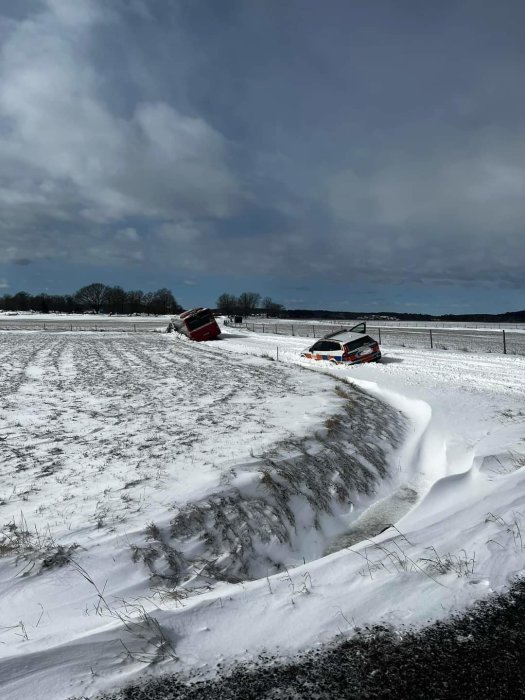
[[64, 327], [476, 325], [508, 342], [503, 341]]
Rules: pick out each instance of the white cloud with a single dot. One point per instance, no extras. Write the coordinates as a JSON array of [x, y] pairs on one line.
[[183, 232], [65, 155], [464, 191], [439, 217], [78, 12], [4, 284], [104, 159], [127, 235]]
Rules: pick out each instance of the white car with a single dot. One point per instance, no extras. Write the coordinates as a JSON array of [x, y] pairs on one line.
[[345, 346]]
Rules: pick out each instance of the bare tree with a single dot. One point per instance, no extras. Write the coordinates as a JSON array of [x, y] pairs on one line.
[[271, 307], [97, 297], [92, 296], [114, 300], [227, 304], [41, 302], [21, 301], [164, 302], [248, 302], [147, 302], [134, 301]]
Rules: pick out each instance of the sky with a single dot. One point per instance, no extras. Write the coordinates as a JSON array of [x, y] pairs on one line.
[[334, 155]]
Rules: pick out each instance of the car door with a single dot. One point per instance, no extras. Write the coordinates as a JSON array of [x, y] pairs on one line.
[[360, 328], [326, 350]]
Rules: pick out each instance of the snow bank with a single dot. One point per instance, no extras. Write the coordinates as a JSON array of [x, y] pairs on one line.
[[120, 445]]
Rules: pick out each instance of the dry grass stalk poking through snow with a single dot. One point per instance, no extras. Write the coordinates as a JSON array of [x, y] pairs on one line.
[[100, 434], [33, 547], [141, 625], [258, 521]]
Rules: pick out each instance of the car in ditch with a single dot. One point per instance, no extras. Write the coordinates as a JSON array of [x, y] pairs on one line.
[[198, 324], [350, 346]]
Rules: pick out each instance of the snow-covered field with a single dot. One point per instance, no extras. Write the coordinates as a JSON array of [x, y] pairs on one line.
[[458, 337], [180, 503], [80, 322], [493, 338]]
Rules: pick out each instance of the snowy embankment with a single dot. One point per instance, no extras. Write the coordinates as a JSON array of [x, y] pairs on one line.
[[159, 498]]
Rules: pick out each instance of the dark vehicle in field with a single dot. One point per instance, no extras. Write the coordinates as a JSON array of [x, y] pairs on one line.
[[345, 346], [198, 324]]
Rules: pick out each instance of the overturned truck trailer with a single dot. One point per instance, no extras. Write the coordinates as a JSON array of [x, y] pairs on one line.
[[197, 324]]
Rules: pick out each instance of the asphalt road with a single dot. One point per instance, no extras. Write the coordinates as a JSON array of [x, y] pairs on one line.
[[479, 655]]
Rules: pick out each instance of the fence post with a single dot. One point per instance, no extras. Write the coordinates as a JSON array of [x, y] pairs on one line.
[[263, 327], [379, 329], [71, 326], [313, 329], [135, 327], [431, 343], [504, 343], [277, 353], [292, 330]]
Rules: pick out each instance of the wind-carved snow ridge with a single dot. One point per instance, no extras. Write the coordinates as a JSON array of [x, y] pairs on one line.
[[282, 510]]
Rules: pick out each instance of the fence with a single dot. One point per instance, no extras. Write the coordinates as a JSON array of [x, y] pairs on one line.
[[503, 341], [62, 327], [510, 342]]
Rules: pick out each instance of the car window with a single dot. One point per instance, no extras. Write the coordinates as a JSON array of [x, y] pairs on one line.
[[359, 343], [325, 345]]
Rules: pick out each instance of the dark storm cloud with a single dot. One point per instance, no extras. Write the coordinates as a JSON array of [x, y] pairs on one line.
[[382, 141]]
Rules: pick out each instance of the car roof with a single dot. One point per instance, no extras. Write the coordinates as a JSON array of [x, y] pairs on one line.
[[346, 337]]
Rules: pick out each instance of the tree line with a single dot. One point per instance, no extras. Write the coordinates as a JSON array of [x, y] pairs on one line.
[[95, 297], [247, 304], [98, 297]]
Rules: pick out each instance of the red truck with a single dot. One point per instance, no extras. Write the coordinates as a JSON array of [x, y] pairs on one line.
[[198, 324]]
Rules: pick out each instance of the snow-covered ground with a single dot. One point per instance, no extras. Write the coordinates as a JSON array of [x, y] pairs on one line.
[[80, 322], [19, 317], [158, 499], [493, 338]]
